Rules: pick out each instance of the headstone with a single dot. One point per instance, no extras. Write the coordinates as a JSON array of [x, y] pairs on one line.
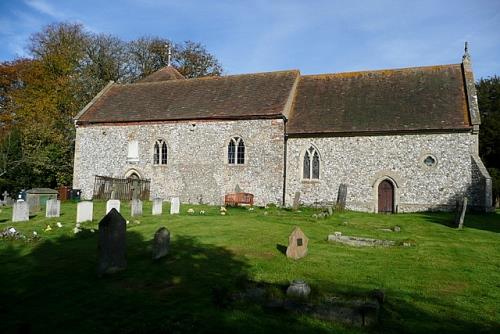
[[136, 208], [237, 189], [112, 204], [342, 197], [460, 215], [20, 211], [113, 194], [84, 211], [174, 206], [157, 206], [296, 201], [112, 243], [297, 244], [298, 289], [53, 208], [33, 204], [161, 243]]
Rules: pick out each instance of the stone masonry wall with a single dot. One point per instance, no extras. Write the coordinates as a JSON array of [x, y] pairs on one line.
[[197, 168], [363, 162]]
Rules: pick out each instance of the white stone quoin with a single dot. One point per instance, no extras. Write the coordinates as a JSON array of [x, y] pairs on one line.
[[112, 203], [84, 211], [174, 206]]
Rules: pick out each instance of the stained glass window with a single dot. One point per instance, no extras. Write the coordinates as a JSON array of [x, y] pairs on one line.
[[430, 161]]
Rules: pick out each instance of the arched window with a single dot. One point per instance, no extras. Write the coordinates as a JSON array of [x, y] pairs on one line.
[[236, 151], [160, 152], [311, 164]]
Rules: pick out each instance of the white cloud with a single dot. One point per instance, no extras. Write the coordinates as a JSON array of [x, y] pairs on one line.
[[46, 8]]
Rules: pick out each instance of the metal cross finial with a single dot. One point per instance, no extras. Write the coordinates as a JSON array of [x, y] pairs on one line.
[[169, 54], [466, 49], [466, 52]]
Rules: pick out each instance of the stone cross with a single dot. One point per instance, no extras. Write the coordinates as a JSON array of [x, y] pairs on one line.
[[460, 214], [20, 211], [342, 197], [84, 211], [174, 206], [157, 206], [112, 204], [297, 244], [53, 208], [5, 194], [296, 201], [136, 208], [112, 243], [161, 243]]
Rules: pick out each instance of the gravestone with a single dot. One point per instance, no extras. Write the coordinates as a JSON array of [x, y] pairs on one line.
[[136, 209], [157, 206], [20, 211], [296, 201], [161, 243], [33, 204], [298, 289], [237, 189], [460, 213], [297, 244], [112, 243], [112, 204], [53, 208], [174, 206], [342, 197], [84, 211]]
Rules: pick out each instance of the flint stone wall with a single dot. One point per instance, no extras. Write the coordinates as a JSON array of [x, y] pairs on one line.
[[197, 169], [362, 162]]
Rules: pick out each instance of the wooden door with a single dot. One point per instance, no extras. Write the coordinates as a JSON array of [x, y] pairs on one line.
[[385, 197]]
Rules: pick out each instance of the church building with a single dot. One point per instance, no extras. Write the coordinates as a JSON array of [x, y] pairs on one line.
[[401, 140]]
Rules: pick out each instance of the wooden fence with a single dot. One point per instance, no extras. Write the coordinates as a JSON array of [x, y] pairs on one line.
[[123, 189]]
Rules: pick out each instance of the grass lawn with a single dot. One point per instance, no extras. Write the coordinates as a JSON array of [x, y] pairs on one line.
[[448, 283]]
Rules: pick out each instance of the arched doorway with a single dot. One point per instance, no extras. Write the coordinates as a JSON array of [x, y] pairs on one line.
[[385, 197]]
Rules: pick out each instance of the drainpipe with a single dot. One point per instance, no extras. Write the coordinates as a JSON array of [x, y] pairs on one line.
[[285, 141]]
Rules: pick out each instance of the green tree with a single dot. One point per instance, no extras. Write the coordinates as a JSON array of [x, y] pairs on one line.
[[488, 91]]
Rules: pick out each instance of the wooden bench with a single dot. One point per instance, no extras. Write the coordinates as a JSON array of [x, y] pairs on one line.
[[238, 198]]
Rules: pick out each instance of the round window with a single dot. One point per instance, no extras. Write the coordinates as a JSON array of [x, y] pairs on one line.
[[430, 161]]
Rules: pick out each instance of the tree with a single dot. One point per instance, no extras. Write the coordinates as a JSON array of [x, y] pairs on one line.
[[193, 61], [488, 91]]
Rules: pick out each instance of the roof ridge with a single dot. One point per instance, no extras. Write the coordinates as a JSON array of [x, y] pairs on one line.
[[400, 69], [212, 77]]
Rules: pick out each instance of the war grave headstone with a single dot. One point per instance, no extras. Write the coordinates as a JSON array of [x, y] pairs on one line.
[[157, 206], [84, 211], [297, 244], [136, 208], [161, 243], [20, 211], [53, 208], [174, 206], [296, 201], [112, 204], [112, 243]]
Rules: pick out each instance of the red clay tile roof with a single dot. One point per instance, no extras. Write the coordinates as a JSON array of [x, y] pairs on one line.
[[411, 99], [229, 97], [163, 74]]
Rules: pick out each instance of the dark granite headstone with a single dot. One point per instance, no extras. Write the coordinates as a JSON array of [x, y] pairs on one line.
[[342, 196], [112, 243], [161, 243]]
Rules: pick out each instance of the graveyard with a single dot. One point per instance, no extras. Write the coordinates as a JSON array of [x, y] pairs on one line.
[[228, 271]]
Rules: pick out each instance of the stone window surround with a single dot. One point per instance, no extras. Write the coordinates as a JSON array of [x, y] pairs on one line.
[[159, 139], [226, 153], [301, 165], [396, 182], [424, 156]]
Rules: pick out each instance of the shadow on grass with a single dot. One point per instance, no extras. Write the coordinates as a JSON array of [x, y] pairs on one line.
[[281, 248], [481, 221]]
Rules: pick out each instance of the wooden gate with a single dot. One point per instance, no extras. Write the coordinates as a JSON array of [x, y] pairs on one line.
[[385, 197]]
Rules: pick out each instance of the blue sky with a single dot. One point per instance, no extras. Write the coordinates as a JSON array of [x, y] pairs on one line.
[[267, 35]]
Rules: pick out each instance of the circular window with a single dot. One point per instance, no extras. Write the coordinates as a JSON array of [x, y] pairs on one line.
[[430, 161]]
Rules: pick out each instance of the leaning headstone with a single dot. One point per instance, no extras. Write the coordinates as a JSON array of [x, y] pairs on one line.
[[342, 197], [157, 206], [136, 208], [174, 206], [20, 211], [298, 289], [297, 244], [53, 208], [112, 204], [112, 243], [161, 243], [84, 211], [296, 201], [460, 215]]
